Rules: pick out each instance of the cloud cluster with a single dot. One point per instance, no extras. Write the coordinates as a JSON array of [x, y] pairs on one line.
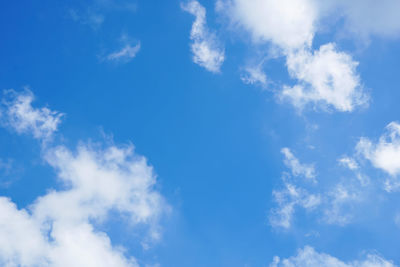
[[308, 257], [325, 77], [333, 203], [207, 50], [59, 228]]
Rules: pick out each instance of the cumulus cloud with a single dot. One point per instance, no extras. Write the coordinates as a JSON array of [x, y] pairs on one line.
[[59, 228], [207, 50], [127, 53], [19, 114], [310, 258], [326, 77], [288, 24], [384, 154], [297, 168]]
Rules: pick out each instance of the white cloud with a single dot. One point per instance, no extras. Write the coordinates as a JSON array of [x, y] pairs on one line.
[[127, 53], [385, 154], [308, 257], [207, 50], [297, 168], [349, 163], [352, 165], [288, 199], [288, 24], [332, 203], [254, 75], [19, 114], [339, 203], [59, 228], [327, 78]]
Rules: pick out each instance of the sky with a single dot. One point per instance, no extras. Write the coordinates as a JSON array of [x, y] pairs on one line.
[[199, 133]]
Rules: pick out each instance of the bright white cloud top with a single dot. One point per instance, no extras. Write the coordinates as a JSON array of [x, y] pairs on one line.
[[384, 154], [58, 229], [327, 78], [207, 50]]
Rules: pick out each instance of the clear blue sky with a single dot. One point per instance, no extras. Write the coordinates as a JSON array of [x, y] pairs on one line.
[[271, 129]]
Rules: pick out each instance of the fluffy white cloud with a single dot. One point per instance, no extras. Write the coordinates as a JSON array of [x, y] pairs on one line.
[[296, 167], [288, 24], [206, 49], [58, 229], [327, 78], [19, 114], [308, 257], [127, 53], [384, 154]]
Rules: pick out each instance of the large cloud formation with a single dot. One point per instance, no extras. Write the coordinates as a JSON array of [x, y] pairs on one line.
[[326, 77], [59, 228]]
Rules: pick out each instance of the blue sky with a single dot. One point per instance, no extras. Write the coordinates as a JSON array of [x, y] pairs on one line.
[[199, 133]]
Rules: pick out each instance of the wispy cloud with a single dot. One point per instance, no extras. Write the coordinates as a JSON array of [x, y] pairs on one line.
[[297, 168], [207, 50], [20, 115], [254, 75], [127, 53]]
